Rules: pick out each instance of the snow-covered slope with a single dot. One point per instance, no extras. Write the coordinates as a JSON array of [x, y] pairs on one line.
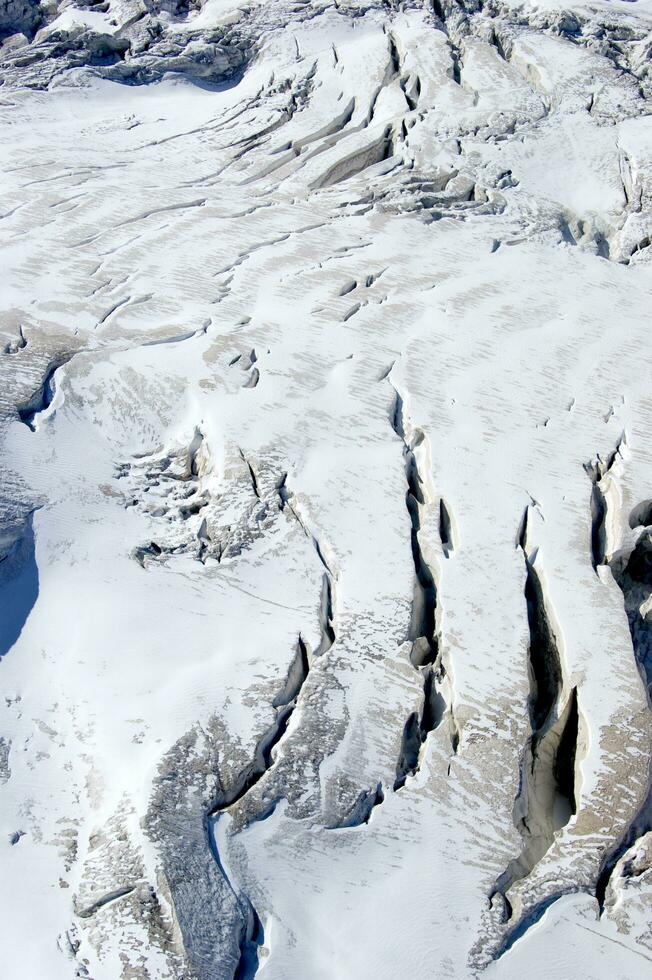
[[326, 490]]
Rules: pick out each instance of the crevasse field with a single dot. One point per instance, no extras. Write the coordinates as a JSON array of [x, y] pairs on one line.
[[325, 489]]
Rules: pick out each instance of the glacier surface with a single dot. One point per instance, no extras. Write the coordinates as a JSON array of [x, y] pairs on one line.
[[326, 499]]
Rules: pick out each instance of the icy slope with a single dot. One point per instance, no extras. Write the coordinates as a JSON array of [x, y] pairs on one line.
[[326, 491]]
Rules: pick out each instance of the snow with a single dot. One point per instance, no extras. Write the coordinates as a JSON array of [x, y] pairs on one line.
[[325, 413]]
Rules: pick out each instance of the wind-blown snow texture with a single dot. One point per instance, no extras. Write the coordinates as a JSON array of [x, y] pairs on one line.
[[326, 559]]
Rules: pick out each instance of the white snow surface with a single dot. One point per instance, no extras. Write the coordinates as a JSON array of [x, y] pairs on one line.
[[326, 491]]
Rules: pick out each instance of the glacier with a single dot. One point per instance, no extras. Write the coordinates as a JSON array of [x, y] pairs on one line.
[[326, 497]]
